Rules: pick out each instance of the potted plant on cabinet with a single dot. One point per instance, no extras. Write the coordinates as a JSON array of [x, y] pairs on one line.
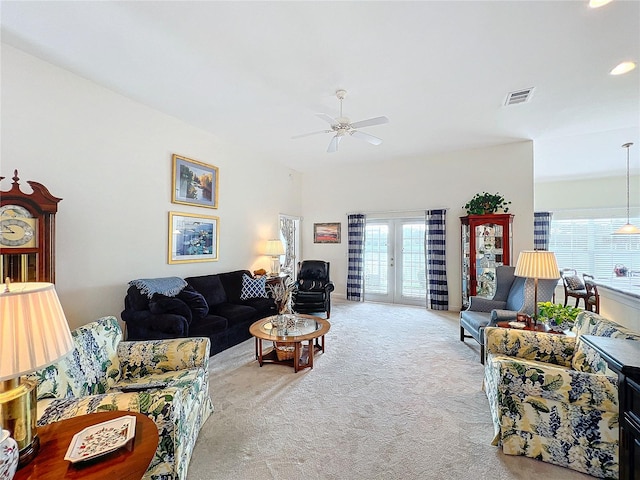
[[486, 203]]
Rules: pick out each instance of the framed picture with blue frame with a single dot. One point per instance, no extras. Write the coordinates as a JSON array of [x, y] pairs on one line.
[[193, 238]]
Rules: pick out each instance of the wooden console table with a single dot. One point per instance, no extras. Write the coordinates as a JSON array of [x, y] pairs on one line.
[[121, 464], [623, 357]]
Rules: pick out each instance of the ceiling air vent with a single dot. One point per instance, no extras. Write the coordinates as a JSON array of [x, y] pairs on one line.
[[519, 96]]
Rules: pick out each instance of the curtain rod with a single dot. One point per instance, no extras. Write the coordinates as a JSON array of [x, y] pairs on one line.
[[399, 211]]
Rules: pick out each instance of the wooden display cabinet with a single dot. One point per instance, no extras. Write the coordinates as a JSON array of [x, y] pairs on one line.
[[486, 244]]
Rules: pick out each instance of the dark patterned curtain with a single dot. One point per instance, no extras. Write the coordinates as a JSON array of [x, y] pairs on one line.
[[355, 273], [541, 230], [435, 257]]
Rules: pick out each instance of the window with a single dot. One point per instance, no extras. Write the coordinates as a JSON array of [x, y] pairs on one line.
[[586, 244]]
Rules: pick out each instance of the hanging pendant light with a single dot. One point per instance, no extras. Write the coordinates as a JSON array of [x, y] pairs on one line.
[[627, 229]]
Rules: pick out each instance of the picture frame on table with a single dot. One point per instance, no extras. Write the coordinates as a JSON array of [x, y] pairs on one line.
[[193, 238], [326, 232], [194, 183]]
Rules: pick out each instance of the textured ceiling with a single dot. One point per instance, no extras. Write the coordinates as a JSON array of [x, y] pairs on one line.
[[256, 73]]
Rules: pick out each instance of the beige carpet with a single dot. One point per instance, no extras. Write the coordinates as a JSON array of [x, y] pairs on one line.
[[396, 395]]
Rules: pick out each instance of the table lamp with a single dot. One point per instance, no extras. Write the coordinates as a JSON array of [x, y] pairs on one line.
[[274, 249], [33, 334], [537, 264]]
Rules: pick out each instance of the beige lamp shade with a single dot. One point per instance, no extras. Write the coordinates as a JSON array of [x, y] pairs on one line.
[[33, 329], [274, 248], [539, 264]]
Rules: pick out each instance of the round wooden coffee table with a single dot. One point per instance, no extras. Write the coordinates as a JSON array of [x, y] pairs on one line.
[[291, 341], [121, 464]]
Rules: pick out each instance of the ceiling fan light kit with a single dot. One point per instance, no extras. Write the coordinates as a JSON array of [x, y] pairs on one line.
[[342, 126]]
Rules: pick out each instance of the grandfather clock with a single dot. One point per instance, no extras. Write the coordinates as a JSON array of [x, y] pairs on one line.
[[27, 233]]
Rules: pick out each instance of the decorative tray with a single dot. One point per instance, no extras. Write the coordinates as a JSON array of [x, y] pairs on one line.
[[518, 325], [101, 438]]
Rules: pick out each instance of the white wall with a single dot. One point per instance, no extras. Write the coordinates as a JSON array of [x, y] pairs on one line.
[[446, 181], [607, 194], [109, 158]]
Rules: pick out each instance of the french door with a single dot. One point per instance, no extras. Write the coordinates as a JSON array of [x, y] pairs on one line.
[[394, 262]]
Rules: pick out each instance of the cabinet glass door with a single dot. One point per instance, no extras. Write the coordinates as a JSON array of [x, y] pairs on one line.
[[488, 257], [486, 245]]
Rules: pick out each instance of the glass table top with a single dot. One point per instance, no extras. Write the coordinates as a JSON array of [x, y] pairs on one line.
[[289, 325]]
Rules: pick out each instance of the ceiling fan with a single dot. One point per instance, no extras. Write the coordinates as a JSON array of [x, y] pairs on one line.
[[342, 126]]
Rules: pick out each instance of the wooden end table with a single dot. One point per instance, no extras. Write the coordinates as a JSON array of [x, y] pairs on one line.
[[311, 331], [122, 464]]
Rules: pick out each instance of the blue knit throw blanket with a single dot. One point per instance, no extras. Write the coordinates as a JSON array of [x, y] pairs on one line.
[[169, 286]]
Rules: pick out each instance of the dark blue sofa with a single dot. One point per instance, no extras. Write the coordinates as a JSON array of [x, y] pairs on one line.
[[209, 306]]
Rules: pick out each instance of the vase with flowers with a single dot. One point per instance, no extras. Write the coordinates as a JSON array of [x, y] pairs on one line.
[[281, 292]]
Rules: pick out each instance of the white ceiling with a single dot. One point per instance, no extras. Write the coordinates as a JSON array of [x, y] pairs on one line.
[[255, 73]]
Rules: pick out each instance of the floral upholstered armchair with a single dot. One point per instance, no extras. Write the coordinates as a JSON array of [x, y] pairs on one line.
[[164, 379], [552, 397]]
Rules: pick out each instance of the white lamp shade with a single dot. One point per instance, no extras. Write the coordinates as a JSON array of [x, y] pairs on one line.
[[33, 329], [627, 229], [274, 248], [539, 264]]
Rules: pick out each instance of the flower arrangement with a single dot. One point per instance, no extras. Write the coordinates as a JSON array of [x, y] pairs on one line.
[[620, 270], [483, 203], [281, 293], [556, 316]]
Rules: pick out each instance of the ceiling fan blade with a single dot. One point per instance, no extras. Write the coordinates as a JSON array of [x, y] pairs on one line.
[[330, 120], [370, 122], [367, 138], [333, 144], [312, 133]]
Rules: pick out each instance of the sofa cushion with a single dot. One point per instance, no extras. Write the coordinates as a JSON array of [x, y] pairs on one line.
[[160, 304], [210, 287], [253, 287], [195, 301], [207, 325], [232, 283], [234, 313], [264, 306]]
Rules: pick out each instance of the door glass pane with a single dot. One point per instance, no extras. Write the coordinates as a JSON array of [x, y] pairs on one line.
[[414, 283], [375, 258]]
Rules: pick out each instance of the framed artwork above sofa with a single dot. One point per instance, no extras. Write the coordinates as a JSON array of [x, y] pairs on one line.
[[193, 238]]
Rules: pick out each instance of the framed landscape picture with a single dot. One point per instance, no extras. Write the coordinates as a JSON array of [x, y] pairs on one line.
[[194, 183], [193, 238], [326, 233]]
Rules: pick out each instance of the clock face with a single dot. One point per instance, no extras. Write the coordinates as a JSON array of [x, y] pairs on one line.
[[17, 227]]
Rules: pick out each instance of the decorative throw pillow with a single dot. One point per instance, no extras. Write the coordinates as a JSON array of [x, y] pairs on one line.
[[253, 287], [574, 282], [195, 301]]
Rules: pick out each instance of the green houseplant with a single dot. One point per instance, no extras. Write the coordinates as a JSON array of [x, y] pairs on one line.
[[483, 203], [557, 317]]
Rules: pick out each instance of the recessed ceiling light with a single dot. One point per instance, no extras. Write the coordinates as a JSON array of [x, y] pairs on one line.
[[598, 3], [622, 68]]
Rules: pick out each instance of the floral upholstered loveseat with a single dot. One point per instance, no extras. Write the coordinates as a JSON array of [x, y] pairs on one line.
[[95, 376], [553, 398]]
